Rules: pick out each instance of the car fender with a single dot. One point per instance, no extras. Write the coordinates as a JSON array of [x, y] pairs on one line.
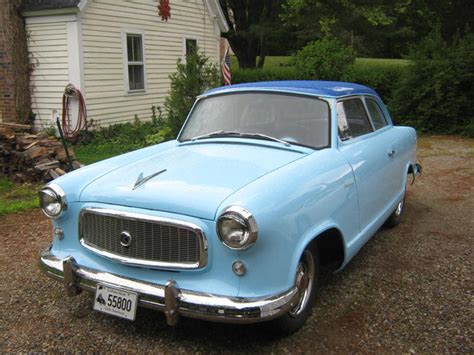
[[293, 205]]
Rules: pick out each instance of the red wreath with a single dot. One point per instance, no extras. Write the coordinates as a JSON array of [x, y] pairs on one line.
[[164, 10]]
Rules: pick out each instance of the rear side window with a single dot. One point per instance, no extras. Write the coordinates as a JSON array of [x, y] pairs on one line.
[[352, 119], [378, 118]]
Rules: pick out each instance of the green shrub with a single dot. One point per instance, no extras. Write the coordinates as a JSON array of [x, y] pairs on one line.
[[326, 59], [381, 78], [189, 81], [98, 143], [276, 73], [436, 92]]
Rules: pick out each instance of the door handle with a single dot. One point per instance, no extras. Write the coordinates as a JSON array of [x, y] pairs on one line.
[[391, 153]]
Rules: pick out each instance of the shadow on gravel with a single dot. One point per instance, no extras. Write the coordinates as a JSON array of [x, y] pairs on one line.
[[151, 325]]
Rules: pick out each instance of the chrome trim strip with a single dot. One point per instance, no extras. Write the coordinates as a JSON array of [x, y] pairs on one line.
[[188, 303], [280, 90], [203, 246]]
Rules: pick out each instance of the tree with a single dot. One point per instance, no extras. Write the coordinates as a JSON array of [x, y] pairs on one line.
[[189, 81], [455, 17], [254, 25], [436, 92], [326, 59], [349, 21], [385, 28]]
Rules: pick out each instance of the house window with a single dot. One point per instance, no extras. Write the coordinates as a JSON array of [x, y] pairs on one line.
[[190, 46], [135, 63]]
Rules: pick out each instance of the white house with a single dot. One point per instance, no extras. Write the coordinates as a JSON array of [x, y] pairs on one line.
[[118, 53]]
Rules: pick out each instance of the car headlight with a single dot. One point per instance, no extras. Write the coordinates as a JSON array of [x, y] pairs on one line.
[[237, 228], [52, 201]]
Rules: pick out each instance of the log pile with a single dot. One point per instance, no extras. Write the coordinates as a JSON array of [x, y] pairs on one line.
[[27, 157]]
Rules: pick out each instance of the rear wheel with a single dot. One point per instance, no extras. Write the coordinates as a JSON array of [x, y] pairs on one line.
[[306, 280], [396, 216]]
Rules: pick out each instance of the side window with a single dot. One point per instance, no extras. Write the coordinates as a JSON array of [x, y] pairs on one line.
[[352, 119], [378, 118]]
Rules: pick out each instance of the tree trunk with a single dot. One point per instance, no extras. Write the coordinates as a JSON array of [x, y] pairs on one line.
[[245, 50], [246, 62], [263, 52]]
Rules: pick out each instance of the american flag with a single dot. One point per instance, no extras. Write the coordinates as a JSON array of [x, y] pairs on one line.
[[226, 68]]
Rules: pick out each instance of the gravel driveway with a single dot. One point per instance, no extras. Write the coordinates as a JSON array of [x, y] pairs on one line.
[[410, 289]]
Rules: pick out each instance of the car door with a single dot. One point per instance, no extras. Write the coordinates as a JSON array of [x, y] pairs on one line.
[[395, 168], [366, 152]]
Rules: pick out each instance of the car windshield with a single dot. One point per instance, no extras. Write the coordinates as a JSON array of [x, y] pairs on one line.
[[283, 118]]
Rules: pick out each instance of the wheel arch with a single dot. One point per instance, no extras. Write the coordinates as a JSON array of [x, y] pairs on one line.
[[330, 244]]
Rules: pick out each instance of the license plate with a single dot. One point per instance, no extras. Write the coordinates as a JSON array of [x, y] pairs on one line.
[[115, 301]]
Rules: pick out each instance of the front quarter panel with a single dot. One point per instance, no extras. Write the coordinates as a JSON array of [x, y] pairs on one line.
[[291, 206]]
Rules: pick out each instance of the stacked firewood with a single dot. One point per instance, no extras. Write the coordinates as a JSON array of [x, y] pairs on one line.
[[28, 157]]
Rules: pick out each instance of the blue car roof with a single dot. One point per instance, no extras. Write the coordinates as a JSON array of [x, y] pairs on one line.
[[313, 87]]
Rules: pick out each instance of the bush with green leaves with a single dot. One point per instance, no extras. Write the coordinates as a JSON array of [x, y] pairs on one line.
[[270, 74], [189, 81], [98, 143], [436, 93], [325, 59], [382, 78]]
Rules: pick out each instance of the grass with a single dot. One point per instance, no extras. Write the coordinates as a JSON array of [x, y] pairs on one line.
[[272, 62], [376, 62], [107, 142], [91, 153], [17, 197]]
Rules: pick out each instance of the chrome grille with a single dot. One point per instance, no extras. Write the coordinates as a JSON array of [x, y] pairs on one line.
[[155, 242]]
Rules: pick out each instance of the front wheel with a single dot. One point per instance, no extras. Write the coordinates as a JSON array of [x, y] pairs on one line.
[[306, 280]]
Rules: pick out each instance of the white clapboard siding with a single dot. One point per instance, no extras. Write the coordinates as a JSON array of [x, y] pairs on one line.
[[47, 44], [103, 23]]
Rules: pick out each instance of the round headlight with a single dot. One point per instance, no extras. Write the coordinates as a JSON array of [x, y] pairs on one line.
[[237, 228], [52, 201]]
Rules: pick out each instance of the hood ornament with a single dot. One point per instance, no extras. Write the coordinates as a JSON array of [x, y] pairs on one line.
[[141, 180]]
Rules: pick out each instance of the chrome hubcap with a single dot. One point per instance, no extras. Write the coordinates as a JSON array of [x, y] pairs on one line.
[[399, 209], [304, 282]]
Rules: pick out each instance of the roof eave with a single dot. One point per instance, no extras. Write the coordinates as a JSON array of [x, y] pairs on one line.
[[218, 14], [70, 10], [51, 12]]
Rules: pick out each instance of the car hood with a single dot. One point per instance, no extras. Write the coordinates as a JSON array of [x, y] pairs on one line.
[[191, 179]]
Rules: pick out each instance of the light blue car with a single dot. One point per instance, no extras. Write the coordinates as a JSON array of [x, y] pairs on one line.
[[266, 185]]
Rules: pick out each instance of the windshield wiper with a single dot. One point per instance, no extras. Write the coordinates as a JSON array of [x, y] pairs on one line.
[[239, 134], [264, 136], [216, 134]]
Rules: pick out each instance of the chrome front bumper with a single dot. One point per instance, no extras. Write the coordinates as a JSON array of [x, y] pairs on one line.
[[169, 298]]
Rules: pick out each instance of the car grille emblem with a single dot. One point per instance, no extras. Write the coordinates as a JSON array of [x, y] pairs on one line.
[[125, 239]]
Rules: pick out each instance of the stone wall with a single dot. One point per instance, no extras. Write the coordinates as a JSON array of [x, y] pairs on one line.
[[15, 69]]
